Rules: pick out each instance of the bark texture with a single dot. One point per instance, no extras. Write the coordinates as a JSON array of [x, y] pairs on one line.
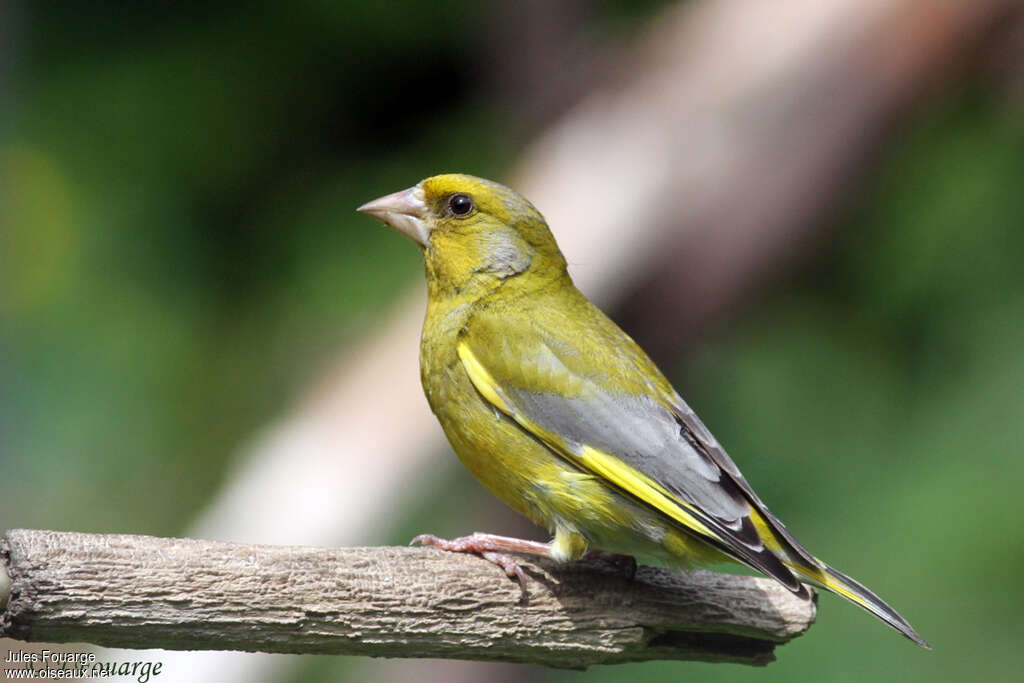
[[187, 594]]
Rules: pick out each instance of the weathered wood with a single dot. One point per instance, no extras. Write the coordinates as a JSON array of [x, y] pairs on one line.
[[187, 594]]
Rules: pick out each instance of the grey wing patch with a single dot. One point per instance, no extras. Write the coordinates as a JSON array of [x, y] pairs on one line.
[[646, 436]]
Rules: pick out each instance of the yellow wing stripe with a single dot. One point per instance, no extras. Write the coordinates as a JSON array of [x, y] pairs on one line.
[[604, 465], [641, 486], [824, 578], [765, 531], [482, 379]]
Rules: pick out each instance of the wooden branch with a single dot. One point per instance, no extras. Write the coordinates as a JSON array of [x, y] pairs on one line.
[[186, 594]]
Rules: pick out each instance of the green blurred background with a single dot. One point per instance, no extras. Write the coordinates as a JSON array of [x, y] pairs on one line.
[[180, 258]]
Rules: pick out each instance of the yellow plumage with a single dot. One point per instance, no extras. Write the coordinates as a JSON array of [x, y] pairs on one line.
[[561, 415]]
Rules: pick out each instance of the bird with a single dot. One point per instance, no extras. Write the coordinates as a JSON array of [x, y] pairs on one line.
[[561, 415]]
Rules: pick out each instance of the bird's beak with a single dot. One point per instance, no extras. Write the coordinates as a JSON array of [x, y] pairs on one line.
[[404, 211]]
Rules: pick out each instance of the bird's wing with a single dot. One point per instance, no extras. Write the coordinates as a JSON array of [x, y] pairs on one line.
[[588, 392]]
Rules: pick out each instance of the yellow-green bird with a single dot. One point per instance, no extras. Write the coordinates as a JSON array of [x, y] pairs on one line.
[[561, 415]]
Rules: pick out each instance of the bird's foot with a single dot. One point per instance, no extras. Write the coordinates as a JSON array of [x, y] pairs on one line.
[[624, 563], [492, 548]]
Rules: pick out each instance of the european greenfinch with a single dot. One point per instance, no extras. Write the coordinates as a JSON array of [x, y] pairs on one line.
[[561, 415]]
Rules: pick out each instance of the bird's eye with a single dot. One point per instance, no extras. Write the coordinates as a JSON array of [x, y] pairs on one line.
[[460, 204]]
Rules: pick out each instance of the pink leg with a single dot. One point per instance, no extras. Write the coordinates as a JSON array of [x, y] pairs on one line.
[[492, 548]]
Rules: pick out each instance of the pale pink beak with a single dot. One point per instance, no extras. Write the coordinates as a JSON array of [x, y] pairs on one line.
[[404, 211]]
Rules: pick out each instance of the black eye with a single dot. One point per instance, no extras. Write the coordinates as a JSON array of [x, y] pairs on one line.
[[460, 204]]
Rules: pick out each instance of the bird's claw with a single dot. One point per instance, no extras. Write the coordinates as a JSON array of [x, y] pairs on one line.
[[478, 544], [463, 544], [427, 540], [512, 569]]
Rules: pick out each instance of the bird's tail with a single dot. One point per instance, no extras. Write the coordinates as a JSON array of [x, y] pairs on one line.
[[835, 581]]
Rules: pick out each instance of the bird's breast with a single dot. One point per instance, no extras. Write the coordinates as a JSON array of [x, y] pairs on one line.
[[511, 464]]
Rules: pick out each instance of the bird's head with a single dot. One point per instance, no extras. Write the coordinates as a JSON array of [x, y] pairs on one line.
[[473, 232]]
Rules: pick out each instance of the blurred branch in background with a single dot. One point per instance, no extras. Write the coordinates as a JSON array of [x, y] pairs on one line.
[[774, 166], [183, 594], [706, 163]]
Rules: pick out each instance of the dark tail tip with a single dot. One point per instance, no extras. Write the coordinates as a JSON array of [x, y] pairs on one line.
[[863, 597]]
